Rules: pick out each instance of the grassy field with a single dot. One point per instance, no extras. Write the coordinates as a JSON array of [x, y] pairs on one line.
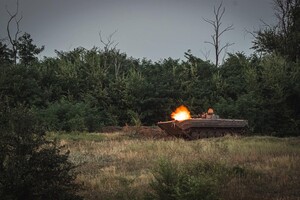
[[124, 165]]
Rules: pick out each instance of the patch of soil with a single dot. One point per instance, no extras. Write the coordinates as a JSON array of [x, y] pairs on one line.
[[149, 132], [143, 132]]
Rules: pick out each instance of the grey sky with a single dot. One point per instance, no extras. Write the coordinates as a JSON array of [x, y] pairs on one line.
[[154, 29]]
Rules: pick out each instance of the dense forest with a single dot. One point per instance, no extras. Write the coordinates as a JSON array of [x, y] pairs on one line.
[[87, 89]]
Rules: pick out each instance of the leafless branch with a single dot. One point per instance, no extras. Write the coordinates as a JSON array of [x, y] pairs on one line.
[[225, 47], [228, 28], [219, 16], [265, 24], [111, 53], [13, 40], [109, 44], [218, 31], [209, 43], [212, 22], [205, 54], [246, 31]]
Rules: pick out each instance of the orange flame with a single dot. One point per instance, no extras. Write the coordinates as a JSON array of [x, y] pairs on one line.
[[181, 113], [210, 111]]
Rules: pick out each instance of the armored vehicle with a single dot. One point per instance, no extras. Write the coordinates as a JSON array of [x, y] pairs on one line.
[[204, 126]]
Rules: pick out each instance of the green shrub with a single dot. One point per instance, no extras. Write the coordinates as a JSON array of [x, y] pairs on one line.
[[71, 116], [174, 182], [64, 115], [30, 166]]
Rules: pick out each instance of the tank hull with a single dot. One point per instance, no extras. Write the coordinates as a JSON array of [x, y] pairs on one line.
[[197, 128]]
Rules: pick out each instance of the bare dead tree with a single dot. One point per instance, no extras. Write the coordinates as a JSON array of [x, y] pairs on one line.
[[109, 44], [13, 37], [110, 51], [283, 13], [218, 32]]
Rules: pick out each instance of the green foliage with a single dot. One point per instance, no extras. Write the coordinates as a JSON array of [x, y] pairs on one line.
[[64, 115], [27, 51], [19, 85], [71, 116], [31, 167], [262, 92], [197, 180], [5, 56], [284, 37], [173, 182]]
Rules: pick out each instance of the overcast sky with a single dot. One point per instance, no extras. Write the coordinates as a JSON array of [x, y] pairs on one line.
[[154, 29]]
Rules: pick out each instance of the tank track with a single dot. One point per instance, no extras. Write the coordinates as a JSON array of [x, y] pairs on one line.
[[198, 133]]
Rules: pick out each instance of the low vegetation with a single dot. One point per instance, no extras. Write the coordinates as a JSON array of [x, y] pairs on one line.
[[123, 166]]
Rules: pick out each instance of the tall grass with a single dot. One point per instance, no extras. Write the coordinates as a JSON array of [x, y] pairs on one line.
[[118, 166]]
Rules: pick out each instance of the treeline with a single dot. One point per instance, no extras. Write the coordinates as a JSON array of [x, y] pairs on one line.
[[86, 90]]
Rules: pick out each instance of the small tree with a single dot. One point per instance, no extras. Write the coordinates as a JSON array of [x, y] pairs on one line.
[[27, 51], [21, 47], [30, 166], [284, 37]]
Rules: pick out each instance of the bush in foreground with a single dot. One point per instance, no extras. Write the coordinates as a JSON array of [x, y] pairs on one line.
[[199, 180], [173, 182], [31, 167]]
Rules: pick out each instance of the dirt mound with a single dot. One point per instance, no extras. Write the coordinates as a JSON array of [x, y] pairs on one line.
[[150, 132]]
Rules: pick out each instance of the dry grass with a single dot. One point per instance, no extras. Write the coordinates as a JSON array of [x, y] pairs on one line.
[[120, 165]]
